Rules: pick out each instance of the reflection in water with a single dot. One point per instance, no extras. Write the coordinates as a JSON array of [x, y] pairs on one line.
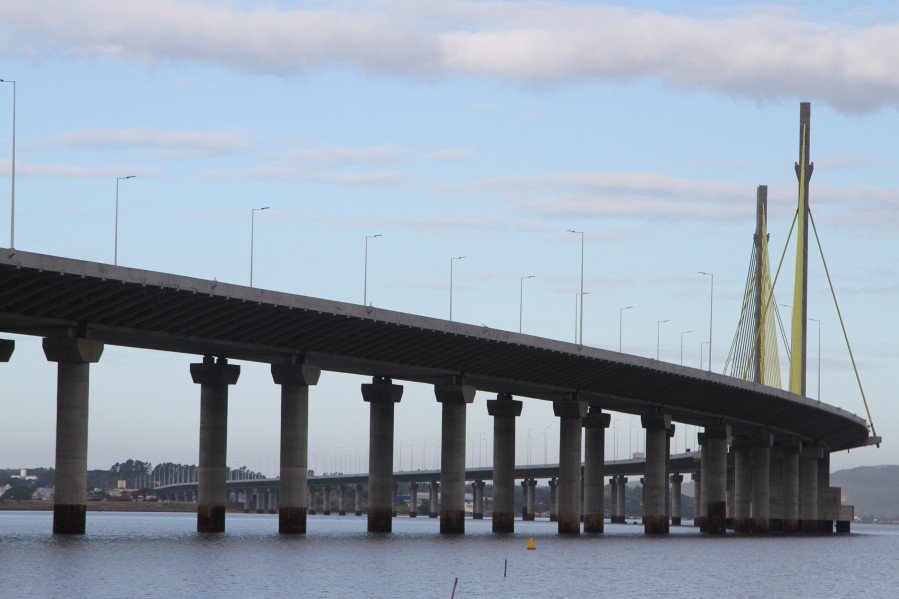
[[160, 555]]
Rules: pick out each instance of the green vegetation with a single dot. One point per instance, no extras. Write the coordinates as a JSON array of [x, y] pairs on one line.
[[873, 490]]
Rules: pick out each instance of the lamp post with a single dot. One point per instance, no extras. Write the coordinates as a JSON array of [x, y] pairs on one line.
[[521, 299], [365, 274], [621, 324], [819, 356], [451, 284], [711, 306], [253, 212], [659, 335], [12, 202], [682, 345], [577, 295], [115, 254], [581, 330], [701, 344]]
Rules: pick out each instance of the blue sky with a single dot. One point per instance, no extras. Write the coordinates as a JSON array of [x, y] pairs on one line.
[[483, 129]]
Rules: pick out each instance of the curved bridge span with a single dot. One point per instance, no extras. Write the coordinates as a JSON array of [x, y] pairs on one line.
[[79, 306]]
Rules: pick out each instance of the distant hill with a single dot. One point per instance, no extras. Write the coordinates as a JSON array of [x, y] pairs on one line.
[[873, 490]]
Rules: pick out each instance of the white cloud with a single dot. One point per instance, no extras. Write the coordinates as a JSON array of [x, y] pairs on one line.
[[375, 179], [59, 171], [755, 53], [167, 144]]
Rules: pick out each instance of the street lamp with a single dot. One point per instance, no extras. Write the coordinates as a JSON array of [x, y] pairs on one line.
[[581, 333], [819, 356], [252, 234], [12, 202], [521, 298], [115, 255], [621, 324], [365, 274], [576, 296], [659, 335], [711, 305], [451, 283], [682, 345], [701, 344]]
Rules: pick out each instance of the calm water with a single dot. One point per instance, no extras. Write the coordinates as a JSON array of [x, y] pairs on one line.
[[160, 555]]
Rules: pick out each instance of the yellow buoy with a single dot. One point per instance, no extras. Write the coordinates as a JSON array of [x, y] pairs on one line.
[[532, 546]]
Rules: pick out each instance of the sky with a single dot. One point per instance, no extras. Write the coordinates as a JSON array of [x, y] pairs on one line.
[[458, 128]]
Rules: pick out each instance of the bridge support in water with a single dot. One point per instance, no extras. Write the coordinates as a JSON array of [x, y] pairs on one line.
[[570, 413], [621, 499], [595, 424], [381, 395], [504, 411], [761, 484], [613, 499], [454, 397], [433, 500], [553, 500], [808, 463], [413, 500], [478, 507], [676, 480], [341, 500], [294, 378], [655, 487], [776, 490], [326, 500], [697, 495], [714, 476], [214, 377], [742, 486], [357, 500], [73, 358], [790, 471]]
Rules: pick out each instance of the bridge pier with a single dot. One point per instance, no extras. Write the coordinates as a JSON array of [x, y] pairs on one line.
[[776, 490], [73, 358], [621, 499], [394, 500], [247, 500], [655, 488], [214, 377], [742, 487], [761, 484], [570, 413], [434, 501], [478, 506], [273, 501], [808, 463], [454, 397], [532, 499], [613, 499], [676, 496], [357, 499], [703, 479], [413, 500], [326, 500], [341, 500], [716, 474], [553, 500], [294, 379], [382, 395], [260, 500], [697, 495], [504, 411], [791, 453], [595, 424]]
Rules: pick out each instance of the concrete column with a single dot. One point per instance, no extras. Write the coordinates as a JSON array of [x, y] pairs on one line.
[[697, 495], [413, 500], [294, 379], [613, 499], [808, 464], [524, 500], [260, 501], [504, 410], [730, 491], [775, 497], [395, 501], [761, 484], [272, 501], [532, 497], [478, 513], [676, 480], [214, 377], [595, 425], [74, 357], [703, 480], [655, 496], [621, 500], [553, 500], [341, 500], [313, 500], [434, 507], [326, 501], [357, 500], [454, 396], [247, 500], [570, 413], [790, 470], [742, 487], [716, 475], [382, 395]]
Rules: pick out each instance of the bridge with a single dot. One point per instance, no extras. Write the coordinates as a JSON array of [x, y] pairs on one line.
[[780, 441]]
